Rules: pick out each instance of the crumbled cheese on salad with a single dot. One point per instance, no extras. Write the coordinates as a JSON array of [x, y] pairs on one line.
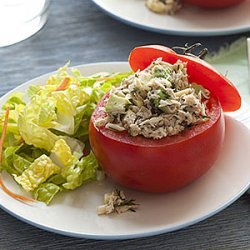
[[156, 102], [116, 202], [164, 6]]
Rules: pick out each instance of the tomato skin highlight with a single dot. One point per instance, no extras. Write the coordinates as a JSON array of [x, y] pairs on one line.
[[213, 4], [198, 71], [160, 165]]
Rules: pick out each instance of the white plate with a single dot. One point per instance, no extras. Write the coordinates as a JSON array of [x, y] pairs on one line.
[[74, 213], [189, 21]]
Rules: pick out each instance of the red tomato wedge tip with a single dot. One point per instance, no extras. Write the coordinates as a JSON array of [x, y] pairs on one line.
[[198, 70]]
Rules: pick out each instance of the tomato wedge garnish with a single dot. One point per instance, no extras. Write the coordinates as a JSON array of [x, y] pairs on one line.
[[198, 70]]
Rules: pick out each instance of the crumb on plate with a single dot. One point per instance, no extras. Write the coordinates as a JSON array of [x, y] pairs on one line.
[[164, 6], [116, 202]]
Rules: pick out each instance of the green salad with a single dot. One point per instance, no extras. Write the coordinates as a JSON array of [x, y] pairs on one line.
[[45, 147]]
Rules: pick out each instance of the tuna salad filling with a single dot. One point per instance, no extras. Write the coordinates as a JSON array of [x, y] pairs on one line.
[[164, 6], [156, 102]]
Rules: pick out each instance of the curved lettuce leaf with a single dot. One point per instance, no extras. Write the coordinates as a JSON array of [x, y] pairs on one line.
[[61, 154], [40, 90], [16, 104], [56, 179], [14, 100], [65, 112], [76, 146], [34, 121], [38, 172], [46, 192], [77, 97], [84, 171], [14, 163], [16, 159], [34, 135]]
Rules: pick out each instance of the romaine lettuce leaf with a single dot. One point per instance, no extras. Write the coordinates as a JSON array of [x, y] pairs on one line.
[[65, 112], [12, 139], [76, 146], [113, 80], [16, 104], [14, 100], [46, 192], [20, 164], [38, 172], [16, 159], [76, 97], [84, 171], [34, 121], [44, 143], [47, 114], [56, 179], [82, 119], [40, 90], [29, 152], [61, 154], [13, 163], [34, 135], [42, 111]]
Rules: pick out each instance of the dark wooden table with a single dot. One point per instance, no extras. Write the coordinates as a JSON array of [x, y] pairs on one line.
[[78, 31]]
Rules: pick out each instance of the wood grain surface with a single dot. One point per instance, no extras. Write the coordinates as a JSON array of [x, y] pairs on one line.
[[78, 31]]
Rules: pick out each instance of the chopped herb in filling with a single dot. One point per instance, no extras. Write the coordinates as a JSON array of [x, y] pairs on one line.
[[156, 102]]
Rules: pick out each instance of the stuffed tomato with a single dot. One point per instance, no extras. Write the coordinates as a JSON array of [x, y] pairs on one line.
[[159, 131]]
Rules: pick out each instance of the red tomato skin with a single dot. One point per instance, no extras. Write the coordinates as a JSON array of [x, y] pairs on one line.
[[158, 165], [213, 4], [198, 71]]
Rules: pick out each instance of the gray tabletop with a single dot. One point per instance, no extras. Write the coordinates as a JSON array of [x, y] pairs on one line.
[[79, 31]]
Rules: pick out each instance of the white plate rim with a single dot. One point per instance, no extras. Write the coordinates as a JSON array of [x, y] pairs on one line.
[[127, 236], [118, 236], [214, 32]]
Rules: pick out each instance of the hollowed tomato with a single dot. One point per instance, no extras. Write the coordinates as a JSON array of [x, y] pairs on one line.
[[172, 162], [158, 165]]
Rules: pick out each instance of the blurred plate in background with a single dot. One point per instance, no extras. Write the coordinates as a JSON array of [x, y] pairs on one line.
[[189, 21]]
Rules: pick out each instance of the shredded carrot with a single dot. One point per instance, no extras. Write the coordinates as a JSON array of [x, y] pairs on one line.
[[5, 124], [64, 84], [103, 78], [4, 188], [13, 195]]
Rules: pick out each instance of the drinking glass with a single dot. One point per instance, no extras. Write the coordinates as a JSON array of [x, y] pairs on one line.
[[20, 19]]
